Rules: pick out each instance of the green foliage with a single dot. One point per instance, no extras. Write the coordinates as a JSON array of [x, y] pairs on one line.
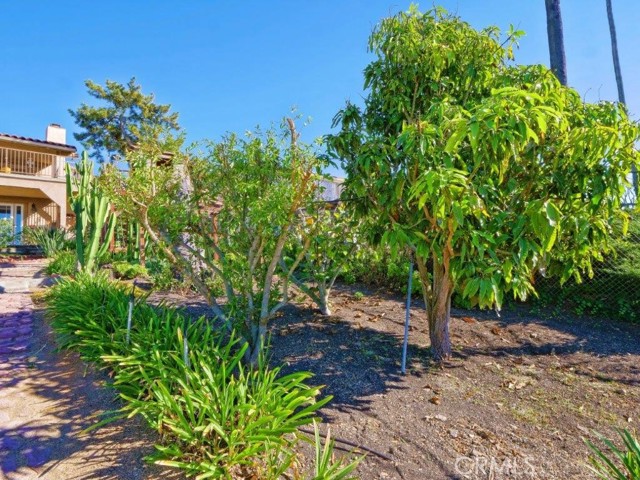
[[217, 417], [95, 220], [109, 131], [161, 272], [325, 466], [358, 296], [6, 232], [51, 240], [614, 289], [226, 214], [378, 268], [62, 263], [128, 271], [324, 242], [618, 464], [488, 171]]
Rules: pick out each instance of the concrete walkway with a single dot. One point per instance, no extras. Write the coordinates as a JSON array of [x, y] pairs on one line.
[[47, 398], [21, 276]]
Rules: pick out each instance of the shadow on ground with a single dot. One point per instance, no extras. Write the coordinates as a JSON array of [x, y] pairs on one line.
[[53, 398]]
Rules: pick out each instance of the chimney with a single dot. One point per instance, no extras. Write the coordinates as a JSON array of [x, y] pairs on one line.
[[56, 134]]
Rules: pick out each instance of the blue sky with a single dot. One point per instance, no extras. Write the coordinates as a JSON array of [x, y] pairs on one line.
[[229, 66]]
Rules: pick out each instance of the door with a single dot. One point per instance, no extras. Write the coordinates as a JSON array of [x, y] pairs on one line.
[[14, 214]]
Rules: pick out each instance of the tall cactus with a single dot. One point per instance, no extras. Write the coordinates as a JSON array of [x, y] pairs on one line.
[[93, 215]]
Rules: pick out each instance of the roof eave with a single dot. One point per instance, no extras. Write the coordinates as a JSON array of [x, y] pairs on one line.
[[58, 147]]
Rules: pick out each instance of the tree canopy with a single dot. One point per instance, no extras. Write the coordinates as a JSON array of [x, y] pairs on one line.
[[489, 171], [110, 130]]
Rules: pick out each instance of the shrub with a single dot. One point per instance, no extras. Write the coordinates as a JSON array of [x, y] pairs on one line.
[[618, 464], [6, 232], [217, 417], [161, 273], [127, 271], [51, 240], [378, 268], [63, 263]]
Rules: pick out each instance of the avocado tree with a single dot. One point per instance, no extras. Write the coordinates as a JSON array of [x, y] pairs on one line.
[[489, 171]]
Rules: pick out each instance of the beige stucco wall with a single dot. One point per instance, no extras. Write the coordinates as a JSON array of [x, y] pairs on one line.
[[48, 194], [45, 214]]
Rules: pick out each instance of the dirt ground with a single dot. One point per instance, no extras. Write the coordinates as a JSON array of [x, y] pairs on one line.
[[515, 402]]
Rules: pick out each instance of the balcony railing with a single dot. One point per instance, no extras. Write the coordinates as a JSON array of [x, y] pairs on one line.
[[35, 164]]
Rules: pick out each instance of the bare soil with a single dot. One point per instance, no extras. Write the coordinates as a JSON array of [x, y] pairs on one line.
[[515, 402]]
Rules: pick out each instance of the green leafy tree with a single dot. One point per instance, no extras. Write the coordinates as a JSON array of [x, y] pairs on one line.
[[489, 172], [327, 238], [224, 218], [109, 131]]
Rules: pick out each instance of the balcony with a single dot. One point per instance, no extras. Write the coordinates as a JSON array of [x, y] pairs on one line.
[[32, 164]]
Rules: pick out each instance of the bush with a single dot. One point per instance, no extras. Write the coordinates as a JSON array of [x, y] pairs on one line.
[[51, 240], [619, 464], [6, 232], [63, 263], [378, 268], [217, 418], [161, 273], [128, 271]]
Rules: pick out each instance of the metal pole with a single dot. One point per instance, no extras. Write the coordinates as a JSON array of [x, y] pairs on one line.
[[406, 321], [185, 350], [130, 314], [129, 320]]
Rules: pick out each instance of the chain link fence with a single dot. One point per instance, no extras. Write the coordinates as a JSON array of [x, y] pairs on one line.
[[614, 290]]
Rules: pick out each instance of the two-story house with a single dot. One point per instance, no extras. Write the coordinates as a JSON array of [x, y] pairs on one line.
[[32, 179]]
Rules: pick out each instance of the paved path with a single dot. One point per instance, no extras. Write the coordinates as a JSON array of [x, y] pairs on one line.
[[16, 318], [47, 398]]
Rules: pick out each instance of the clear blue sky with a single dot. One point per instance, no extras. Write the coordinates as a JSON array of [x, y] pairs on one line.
[[228, 66]]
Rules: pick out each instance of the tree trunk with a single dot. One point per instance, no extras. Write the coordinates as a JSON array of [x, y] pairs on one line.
[[614, 51], [619, 84], [323, 300], [252, 354], [557, 58], [438, 306]]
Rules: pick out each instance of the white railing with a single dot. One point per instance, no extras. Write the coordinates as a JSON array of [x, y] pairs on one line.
[[36, 164]]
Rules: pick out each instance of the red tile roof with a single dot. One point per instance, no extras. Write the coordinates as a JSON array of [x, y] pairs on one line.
[[62, 146]]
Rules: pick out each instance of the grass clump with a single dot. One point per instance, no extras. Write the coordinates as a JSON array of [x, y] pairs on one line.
[[619, 463], [63, 263], [217, 417]]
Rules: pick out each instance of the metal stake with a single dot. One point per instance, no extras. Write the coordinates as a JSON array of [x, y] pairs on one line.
[[130, 314], [406, 321]]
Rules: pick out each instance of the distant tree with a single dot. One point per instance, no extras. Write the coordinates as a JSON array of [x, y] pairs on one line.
[[110, 130], [614, 51], [619, 84], [558, 60], [488, 172]]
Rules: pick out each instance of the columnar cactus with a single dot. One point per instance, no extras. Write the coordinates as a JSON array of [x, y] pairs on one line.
[[95, 221]]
